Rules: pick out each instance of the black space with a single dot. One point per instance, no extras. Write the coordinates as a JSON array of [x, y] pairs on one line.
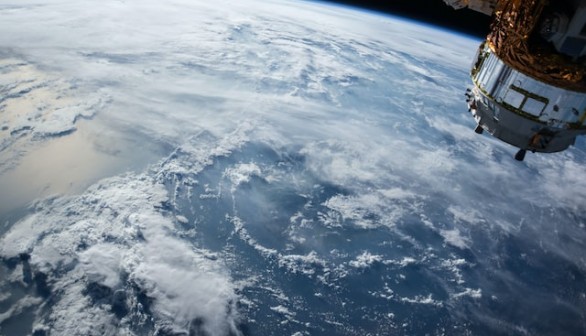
[[431, 11]]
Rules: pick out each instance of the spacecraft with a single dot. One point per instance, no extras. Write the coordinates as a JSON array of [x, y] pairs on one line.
[[529, 74]]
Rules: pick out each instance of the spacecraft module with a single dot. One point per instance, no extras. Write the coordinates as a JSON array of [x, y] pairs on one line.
[[529, 74]]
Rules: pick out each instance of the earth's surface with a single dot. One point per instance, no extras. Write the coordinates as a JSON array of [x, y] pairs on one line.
[[268, 168]]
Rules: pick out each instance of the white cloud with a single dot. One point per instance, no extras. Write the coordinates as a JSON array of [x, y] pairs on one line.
[[564, 182], [118, 221], [471, 216], [242, 173], [365, 260], [473, 293], [304, 264], [367, 105], [101, 264], [454, 237], [424, 300], [283, 311], [18, 307], [372, 209]]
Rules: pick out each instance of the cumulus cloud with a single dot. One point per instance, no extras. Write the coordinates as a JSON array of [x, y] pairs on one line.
[[242, 173], [454, 237], [365, 260], [114, 236]]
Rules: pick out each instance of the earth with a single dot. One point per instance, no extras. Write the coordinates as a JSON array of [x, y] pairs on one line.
[[268, 168]]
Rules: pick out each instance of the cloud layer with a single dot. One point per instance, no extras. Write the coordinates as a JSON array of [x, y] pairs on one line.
[[292, 167]]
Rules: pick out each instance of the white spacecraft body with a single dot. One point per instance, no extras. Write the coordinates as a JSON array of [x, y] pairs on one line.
[[483, 6], [522, 111]]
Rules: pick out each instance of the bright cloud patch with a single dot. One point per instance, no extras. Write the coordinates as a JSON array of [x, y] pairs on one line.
[[115, 237]]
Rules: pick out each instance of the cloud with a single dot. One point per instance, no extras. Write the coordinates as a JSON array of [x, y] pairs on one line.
[[424, 300], [242, 173], [367, 107], [113, 236], [454, 237], [365, 259]]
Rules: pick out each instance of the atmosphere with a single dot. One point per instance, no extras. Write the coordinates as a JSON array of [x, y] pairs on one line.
[[268, 167], [430, 11]]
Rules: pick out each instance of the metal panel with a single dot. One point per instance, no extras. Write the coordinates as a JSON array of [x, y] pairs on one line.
[[529, 97]]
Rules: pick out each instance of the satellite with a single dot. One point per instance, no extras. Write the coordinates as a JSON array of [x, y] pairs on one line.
[[529, 74]]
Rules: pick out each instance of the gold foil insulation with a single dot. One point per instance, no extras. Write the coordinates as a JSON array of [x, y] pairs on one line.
[[513, 38]]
